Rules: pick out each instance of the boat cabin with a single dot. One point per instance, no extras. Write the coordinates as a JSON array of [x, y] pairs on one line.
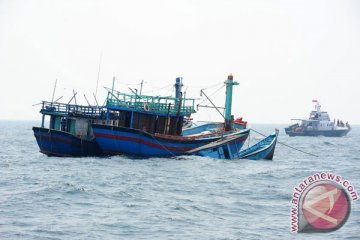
[[317, 125], [73, 119], [152, 114], [321, 116]]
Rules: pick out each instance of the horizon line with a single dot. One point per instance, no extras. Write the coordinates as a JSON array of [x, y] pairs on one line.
[[33, 120]]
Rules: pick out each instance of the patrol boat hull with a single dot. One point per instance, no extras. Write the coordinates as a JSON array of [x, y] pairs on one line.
[[316, 133]]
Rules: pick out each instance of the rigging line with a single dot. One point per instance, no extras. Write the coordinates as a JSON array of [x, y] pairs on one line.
[[286, 145], [169, 91], [212, 94], [159, 92], [217, 91], [202, 87], [215, 85], [58, 99], [153, 90], [129, 84], [166, 92], [156, 87], [213, 104]]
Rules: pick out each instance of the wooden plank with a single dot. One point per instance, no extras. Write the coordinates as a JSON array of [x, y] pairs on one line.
[[213, 144]]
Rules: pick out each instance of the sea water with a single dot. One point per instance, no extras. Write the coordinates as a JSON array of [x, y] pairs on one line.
[[164, 198]]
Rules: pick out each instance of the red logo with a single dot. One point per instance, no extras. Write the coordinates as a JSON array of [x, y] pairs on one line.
[[325, 207]]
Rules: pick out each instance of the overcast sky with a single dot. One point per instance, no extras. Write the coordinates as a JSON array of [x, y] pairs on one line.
[[284, 54]]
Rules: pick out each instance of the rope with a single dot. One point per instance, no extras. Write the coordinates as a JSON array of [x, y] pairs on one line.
[[170, 91], [202, 87], [287, 145], [128, 84], [158, 89], [164, 147]]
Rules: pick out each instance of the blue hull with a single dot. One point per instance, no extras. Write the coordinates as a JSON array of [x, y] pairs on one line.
[[228, 150], [57, 143], [120, 140], [262, 150]]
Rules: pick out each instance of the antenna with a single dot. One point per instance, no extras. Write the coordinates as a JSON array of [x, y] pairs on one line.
[[86, 100], [97, 104], [98, 76], [74, 97], [52, 99]]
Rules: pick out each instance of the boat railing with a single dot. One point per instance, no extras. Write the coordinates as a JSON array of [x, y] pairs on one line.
[[54, 108], [167, 105]]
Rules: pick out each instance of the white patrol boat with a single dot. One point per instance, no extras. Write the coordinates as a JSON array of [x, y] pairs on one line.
[[318, 124]]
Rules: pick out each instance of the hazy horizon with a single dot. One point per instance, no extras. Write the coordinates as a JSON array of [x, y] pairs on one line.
[[284, 54]]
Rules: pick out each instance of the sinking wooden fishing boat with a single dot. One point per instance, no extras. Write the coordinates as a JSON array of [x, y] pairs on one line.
[[223, 148], [151, 126], [262, 150], [218, 149], [69, 133]]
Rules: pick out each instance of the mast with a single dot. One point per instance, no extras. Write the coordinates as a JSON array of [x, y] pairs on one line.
[[178, 101], [317, 105], [178, 85], [113, 84], [112, 95], [229, 89], [141, 86]]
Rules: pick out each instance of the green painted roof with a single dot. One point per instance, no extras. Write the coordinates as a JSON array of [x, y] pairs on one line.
[[152, 104]]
